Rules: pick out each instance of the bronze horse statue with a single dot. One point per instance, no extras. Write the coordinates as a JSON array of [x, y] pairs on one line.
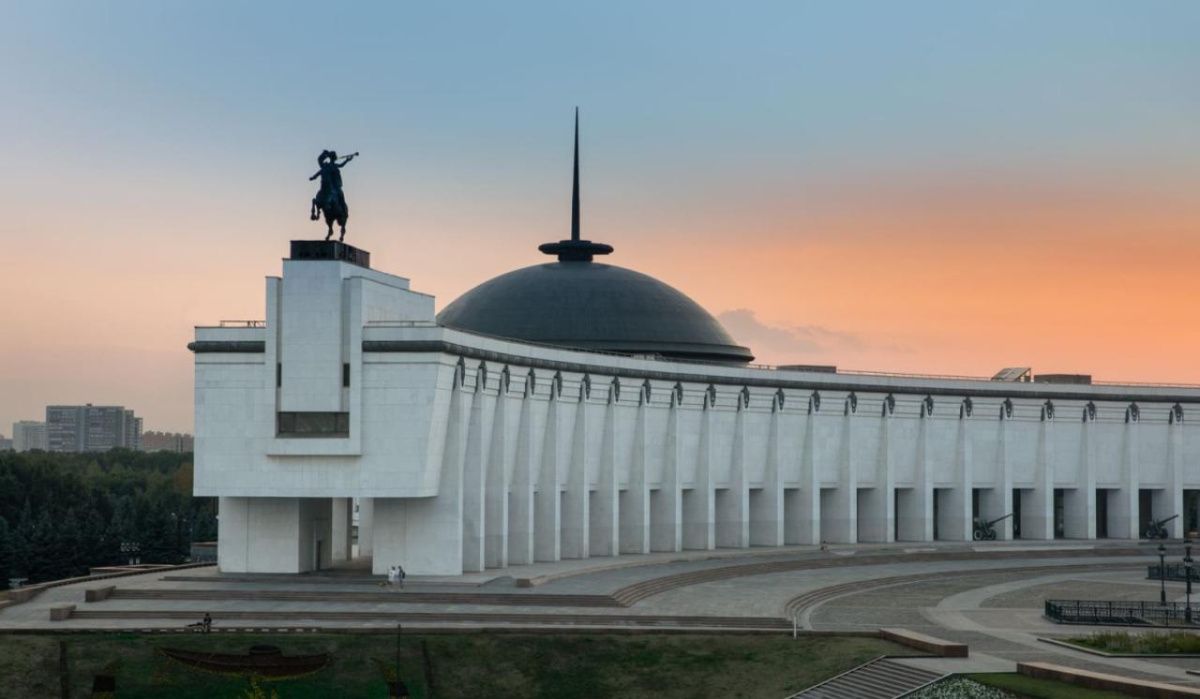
[[330, 200]]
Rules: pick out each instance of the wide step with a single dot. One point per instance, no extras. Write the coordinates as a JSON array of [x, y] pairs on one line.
[[475, 618], [879, 679], [371, 597]]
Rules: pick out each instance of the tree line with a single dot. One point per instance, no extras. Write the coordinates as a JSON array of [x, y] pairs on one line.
[[61, 514]]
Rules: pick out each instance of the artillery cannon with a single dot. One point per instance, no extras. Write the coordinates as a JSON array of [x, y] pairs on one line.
[[985, 530], [1157, 528]]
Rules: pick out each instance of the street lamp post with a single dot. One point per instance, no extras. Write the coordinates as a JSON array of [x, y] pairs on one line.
[[1187, 571], [133, 551], [400, 689], [1162, 574]]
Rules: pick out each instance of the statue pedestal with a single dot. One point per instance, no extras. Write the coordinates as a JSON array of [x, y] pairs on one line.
[[330, 250]]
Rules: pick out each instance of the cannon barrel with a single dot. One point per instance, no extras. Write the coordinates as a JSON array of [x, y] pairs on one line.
[[1160, 522], [1000, 519]]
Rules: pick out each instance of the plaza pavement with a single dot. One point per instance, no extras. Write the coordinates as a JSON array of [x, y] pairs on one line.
[[992, 604]]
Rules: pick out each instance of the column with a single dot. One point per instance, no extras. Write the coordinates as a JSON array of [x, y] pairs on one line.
[[1037, 510], [877, 521], [666, 510], [802, 507], [698, 501], [547, 524], [766, 507], [520, 513], [733, 503], [499, 464], [474, 483], [1123, 504], [575, 503], [342, 529], [366, 525], [1079, 503], [635, 501], [603, 528]]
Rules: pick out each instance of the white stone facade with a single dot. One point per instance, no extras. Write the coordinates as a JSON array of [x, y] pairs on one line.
[[468, 452]]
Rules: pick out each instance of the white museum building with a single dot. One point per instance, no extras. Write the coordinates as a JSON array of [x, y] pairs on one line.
[[576, 409]]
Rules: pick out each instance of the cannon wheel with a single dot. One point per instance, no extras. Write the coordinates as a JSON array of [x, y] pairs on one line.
[[991, 536], [977, 535], [1154, 533]]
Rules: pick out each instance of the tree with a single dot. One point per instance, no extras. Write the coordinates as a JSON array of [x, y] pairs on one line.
[[65, 513], [5, 554], [44, 563], [22, 552], [68, 546]]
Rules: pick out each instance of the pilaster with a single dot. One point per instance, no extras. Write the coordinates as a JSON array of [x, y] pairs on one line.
[[698, 501], [666, 511], [635, 505], [604, 517], [575, 517]]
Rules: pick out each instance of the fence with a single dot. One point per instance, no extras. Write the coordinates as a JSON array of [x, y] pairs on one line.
[[1118, 613], [1175, 571]]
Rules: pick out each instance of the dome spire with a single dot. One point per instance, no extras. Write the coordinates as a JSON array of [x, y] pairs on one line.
[[575, 249], [575, 186]]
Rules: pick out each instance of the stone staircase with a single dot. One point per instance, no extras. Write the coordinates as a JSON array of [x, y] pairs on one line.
[[370, 597], [768, 624], [881, 678]]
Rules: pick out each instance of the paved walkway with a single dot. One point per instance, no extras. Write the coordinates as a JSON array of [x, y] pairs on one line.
[[1000, 616]]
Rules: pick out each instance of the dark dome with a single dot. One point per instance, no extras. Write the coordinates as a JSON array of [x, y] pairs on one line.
[[589, 305]]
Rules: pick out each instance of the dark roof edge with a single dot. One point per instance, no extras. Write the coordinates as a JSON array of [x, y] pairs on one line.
[[228, 346], [699, 376]]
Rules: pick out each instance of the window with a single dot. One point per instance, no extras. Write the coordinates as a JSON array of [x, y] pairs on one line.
[[313, 424]]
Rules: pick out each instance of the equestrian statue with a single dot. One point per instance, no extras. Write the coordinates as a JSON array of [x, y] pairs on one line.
[[330, 200]]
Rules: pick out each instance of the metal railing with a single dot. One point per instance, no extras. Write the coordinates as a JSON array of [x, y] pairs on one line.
[[1175, 572], [1117, 613], [243, 324]]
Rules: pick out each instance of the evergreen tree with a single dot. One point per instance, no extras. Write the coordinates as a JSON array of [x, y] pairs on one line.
[[64, 513], [22, 552], [44, 563], [68, 543], [5, 554]]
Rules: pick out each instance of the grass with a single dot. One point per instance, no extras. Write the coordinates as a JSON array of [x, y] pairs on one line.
[[1145, 642], [460, 665], [29, 666], [1023, 686]]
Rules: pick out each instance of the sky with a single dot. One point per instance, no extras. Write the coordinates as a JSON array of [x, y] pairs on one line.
[[928, 187]]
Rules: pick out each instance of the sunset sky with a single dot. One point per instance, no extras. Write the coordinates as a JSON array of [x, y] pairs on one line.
[[933, 187]]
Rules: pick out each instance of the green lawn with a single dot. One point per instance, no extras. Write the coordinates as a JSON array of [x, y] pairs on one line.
[[452, 665], [1024, 686], [1142, 642]]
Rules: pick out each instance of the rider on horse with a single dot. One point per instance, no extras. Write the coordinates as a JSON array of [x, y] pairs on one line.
[[330, 199]]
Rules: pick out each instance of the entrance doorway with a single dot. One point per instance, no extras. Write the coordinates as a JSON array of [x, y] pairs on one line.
[[1145, 510], [1016, 508], [937, 514], [896, 514], [1191, 513], [1102, 495], [1060, 513]]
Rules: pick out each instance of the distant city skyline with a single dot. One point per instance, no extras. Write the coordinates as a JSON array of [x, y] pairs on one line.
[[930, 187]]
